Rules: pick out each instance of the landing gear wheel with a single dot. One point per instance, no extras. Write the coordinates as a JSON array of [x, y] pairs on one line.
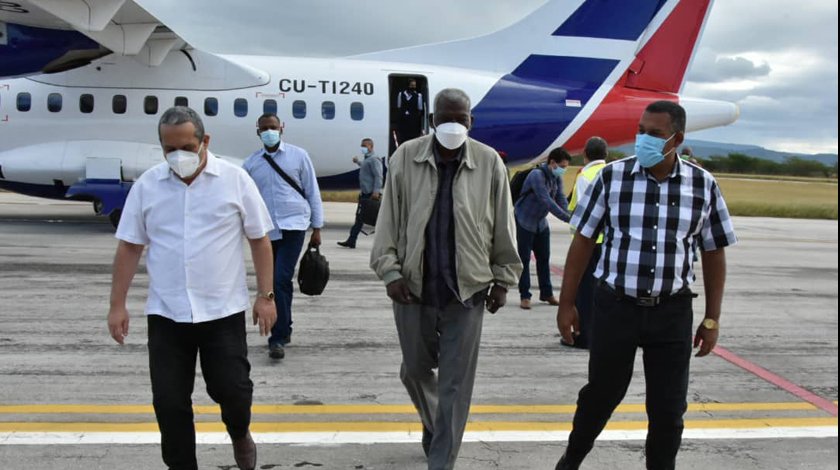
[[114, 217]]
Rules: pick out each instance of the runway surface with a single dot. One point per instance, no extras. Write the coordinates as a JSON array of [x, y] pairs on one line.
[[71, 398]]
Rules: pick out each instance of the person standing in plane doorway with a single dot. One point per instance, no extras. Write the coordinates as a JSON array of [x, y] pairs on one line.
[[191, 205], [652, 208], [445, 247], [370, 186], [286, 179], [542, 193], [410, 112]]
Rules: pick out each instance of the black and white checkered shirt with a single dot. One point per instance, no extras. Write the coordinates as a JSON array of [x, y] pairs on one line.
[[650, 227]]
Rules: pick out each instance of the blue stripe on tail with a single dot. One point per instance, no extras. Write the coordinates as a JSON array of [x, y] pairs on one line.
[[611, 19], [528, 109]]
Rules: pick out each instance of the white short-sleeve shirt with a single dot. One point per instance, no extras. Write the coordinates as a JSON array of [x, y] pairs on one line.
[[195, 236]]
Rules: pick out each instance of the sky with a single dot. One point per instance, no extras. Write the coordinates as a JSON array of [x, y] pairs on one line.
[[776, 59]]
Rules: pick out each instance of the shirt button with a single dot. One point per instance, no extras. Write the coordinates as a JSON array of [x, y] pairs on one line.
[[654, 247], [653, 270], [655, 227]]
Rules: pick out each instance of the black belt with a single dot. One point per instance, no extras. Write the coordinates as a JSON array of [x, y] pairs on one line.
[[646, 301]]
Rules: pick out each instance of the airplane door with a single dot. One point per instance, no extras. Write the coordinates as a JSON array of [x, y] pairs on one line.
[[409, 108]]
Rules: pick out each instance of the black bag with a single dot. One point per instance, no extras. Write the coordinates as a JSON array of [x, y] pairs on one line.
[[518, 181], [314, 272], [369, 209]]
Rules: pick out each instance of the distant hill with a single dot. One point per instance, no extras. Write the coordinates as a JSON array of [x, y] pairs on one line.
[[704, 149]]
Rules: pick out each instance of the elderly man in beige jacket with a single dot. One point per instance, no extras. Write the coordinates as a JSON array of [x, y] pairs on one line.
[[445, 246]]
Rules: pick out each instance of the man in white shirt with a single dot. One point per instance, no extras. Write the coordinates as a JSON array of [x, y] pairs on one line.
[[193, 211], [286, 179]]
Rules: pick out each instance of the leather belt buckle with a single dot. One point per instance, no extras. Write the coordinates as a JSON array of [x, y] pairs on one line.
[[647, 301]]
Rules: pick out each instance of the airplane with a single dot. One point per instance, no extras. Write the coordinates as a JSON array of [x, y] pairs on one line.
[[85, 81]]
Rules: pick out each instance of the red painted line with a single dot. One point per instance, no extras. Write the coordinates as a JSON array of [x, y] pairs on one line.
[[790, 387]]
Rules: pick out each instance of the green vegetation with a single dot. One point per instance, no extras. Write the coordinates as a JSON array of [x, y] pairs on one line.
[[744, 164]]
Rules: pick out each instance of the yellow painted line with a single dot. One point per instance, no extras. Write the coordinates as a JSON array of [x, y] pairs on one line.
[[388, 409], [373, 426]]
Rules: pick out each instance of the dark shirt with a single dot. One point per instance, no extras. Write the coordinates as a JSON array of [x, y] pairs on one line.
[[440, 277]]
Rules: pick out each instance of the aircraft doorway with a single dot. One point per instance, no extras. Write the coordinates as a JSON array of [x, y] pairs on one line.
[[409, 109]]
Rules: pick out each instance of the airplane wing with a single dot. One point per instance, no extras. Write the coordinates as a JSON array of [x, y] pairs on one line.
[[55, 35]]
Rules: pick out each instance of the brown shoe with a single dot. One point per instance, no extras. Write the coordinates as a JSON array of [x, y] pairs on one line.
[[525, 304], [245, 452], [551, 300]]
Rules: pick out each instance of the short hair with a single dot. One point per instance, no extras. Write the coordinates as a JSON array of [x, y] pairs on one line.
[[596, 148], [454, 95], [674, 110], [686, 150], [367, 139], [267, 116], [177, 115], [559, 155]]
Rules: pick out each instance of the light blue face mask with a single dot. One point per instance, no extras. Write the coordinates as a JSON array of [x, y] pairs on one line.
[[270, 137], [559, 171], [363, 150], [649, 149]]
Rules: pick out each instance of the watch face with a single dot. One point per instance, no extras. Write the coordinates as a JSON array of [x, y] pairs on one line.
[[710, 324]]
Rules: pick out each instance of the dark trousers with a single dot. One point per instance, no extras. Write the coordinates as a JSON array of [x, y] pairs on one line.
[[540, 244], [223, 351], [286, 253], [357, 226], [664, 333], [585, 298]]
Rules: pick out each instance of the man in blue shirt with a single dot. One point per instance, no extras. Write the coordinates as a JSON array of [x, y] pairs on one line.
[[541, 193], [370, 186], [285, 176]]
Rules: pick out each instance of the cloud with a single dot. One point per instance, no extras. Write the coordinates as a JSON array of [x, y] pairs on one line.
[[726, 68]]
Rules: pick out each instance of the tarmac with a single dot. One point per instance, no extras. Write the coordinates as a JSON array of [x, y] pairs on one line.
[[71, 398]]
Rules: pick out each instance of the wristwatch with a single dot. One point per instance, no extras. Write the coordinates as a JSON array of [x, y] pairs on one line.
[[266, 295], [710, 324]]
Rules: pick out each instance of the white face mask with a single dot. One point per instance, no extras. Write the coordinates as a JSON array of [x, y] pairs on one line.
[[451, 135], [183, 163]]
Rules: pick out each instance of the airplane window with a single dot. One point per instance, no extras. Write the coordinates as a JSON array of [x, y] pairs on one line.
[[299, 109], [150, 105], [328, 110], [54, 101], [182, 101], [86, 103], [357, 111], [119, 104], [24, 102], [211, 106], [240, 107], [270, 107]]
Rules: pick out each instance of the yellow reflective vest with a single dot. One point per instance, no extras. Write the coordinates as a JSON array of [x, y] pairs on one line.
[[584, 178]]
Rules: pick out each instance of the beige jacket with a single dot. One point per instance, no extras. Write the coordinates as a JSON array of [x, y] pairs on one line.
[[485, 231]]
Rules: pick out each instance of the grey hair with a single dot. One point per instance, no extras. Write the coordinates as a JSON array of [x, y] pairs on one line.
[[596, 148], [177, 115], [452, 95]]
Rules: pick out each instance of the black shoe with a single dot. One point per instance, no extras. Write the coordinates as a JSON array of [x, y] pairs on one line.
[[427, 440], [276, 351], [347, 244], [245, 452]]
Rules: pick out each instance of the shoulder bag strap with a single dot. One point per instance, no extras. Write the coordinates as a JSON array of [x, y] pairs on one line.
[[286, 178]]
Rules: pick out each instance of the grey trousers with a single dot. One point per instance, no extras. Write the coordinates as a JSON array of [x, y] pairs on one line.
[[446, 339]]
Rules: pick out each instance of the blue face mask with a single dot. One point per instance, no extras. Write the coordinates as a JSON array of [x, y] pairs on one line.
[[363, 150], [559, 171], [270, 137], [649, 149]]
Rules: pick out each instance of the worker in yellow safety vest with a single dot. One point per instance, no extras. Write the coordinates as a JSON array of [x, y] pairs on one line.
[[594, 160]]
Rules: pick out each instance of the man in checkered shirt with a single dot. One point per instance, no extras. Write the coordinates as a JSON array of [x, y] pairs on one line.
[[652, 209]]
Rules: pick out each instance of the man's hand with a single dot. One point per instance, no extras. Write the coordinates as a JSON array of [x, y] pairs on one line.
[[399, 292], [706, 339], [315, 238], [496, 299], [265, 314], [376, 196], [568, 322], [356, 160], [118, 323]]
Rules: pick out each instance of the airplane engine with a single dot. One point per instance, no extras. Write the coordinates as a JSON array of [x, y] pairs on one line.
[[27, 50]]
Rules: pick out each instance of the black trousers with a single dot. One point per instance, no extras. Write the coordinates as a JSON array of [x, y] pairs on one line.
[[664, 333], [223, 351]]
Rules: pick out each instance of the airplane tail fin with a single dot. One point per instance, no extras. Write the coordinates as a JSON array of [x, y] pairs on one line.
[[654, 39]]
